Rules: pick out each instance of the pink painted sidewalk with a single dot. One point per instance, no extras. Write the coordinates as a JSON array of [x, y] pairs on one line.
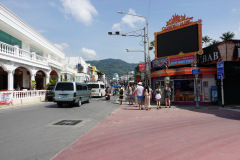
[[166, 134]]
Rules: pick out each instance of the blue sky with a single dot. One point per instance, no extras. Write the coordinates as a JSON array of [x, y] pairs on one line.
[[80, 27]]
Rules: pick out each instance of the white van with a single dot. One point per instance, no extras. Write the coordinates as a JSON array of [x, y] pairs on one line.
[[71, 93], [98, 88]]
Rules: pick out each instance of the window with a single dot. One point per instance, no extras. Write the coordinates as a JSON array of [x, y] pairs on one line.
[[84, 87], [79, 87], [64, 86], [102, 86], [184, 90], [93, 86], [6, 38]]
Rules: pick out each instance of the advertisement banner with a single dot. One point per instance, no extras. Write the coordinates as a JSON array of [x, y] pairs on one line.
[[6, 97], [214, 94], [182, 60], [162, 62], [141, 67]]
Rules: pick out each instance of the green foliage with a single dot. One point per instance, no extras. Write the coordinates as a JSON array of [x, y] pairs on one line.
[[34, 84], [110, 66], [206, 40], [227, 36], [52, 82], [152, 44]]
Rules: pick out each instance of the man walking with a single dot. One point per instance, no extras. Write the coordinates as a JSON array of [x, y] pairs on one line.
[[121, 94], [139, 91]]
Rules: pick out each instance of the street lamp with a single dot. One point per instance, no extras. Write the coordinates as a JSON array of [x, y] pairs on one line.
[[144, 41]]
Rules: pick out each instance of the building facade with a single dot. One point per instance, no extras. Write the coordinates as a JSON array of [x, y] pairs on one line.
[[26, 57]]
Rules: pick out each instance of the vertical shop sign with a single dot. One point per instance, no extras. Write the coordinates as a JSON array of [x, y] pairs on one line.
[[141, 67]]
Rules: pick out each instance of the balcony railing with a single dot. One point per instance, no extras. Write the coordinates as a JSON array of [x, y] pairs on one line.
[[28, 94], [23, 54]]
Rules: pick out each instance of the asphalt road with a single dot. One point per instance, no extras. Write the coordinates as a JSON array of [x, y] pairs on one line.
[[28, 133]]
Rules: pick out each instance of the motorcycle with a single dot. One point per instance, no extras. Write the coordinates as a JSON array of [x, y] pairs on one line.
[[107, 96]]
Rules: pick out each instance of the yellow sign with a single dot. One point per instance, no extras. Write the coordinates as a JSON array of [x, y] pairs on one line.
[[177, 21]]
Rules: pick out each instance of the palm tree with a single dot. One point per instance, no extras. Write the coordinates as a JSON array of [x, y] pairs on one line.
[[227, 36], [151, 45], [206, 40], [214, 42]]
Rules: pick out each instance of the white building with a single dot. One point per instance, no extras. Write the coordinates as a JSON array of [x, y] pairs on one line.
[[25, 56], [80, 68]]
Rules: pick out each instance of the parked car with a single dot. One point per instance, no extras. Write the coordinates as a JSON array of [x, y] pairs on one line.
[[73, 93], [50, 92], [98, 88]]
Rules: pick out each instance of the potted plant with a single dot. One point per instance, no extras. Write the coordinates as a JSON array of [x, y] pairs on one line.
[[33, 84]]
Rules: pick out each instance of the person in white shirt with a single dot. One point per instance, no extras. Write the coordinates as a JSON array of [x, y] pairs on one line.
[[139, 90]]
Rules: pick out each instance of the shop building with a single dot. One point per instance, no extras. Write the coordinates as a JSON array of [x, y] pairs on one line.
[[177, 48], [228, 53]]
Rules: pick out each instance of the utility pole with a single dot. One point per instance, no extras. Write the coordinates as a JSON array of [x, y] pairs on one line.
[[145, 71]]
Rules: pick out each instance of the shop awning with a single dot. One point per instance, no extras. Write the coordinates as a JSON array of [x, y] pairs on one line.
[[183, 71]]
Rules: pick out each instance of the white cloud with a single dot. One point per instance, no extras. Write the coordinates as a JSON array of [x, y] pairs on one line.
[[116, 27], [82, 10], [62, 46], [89, 53], [234, 10], [129, 20]]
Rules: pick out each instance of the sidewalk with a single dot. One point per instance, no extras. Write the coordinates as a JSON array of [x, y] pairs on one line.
[[178, 133]]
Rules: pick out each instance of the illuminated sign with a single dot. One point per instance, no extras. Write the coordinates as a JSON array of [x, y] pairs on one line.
[[182, 59], [162, 62]]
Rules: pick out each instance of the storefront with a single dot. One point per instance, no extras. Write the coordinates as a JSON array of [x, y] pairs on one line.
[[227, 52], [177, 48], [183, 84]]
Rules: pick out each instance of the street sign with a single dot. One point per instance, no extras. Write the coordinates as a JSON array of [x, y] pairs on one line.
[[220, 70], [195, 71]]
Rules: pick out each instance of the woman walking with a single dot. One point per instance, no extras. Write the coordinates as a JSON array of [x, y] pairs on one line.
[[167, 95], [158, 97], [135, 96], [147, 94]]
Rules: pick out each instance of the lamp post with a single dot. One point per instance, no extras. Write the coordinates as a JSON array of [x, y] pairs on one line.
[[196, 84], [145, 37]]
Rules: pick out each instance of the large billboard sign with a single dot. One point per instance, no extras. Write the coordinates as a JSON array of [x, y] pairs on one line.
[[181, 34]]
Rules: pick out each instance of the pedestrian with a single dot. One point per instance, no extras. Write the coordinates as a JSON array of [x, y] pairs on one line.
[[139, 91], [121, 94], [130, 95], [147, 94], [167, 95], [158, 96], [18, 88], [135, 95]]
